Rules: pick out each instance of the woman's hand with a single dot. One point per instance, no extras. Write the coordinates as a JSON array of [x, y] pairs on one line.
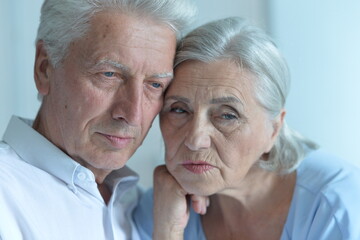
[[171, 206]]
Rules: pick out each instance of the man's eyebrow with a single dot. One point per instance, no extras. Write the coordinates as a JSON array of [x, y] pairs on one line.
[[113, 63], [126, 70], [178, 98], [163, 75]]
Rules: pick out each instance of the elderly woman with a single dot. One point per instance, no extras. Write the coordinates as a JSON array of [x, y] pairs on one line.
[[226, 138]]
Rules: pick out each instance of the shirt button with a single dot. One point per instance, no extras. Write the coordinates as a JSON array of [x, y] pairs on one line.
[[81, 176]]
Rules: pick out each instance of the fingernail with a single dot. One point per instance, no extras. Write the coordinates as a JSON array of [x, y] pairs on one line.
[[204, 211]]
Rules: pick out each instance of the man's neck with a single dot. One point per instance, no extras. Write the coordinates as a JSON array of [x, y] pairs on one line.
[[105, 192]]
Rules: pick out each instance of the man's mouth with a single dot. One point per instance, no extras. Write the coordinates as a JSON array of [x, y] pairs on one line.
[[118, 142]]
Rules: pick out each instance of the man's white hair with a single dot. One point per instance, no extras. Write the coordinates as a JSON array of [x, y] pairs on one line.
[[63, 21]]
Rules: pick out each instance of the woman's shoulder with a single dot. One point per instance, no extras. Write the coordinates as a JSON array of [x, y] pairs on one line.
[[143, 215], [321, 171], [325, 200]]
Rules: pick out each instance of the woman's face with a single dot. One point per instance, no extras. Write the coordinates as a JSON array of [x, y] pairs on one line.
[[213, 127]]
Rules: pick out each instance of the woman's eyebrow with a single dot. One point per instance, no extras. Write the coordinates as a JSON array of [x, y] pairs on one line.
[[229, 99], [219, 100], [178, 98]]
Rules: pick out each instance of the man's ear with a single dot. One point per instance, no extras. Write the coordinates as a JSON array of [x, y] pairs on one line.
[[277, 125], [41, 69]]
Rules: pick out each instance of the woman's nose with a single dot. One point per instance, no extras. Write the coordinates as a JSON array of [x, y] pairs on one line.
[[198, 135]]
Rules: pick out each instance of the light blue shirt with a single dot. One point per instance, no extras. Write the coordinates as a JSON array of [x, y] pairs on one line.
[[325, 204], [44, 194]]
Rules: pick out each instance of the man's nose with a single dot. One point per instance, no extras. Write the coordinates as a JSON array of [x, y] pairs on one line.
[[198, 136], [128, 104]]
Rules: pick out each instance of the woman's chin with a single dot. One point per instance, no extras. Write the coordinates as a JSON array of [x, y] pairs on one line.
[[196, 184], [197, 189]]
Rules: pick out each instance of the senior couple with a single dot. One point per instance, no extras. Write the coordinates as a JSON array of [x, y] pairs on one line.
[[234, 170]]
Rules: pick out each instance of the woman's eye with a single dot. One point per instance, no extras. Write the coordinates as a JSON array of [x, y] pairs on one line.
[[228, 116], [109, 74], [156, 85]]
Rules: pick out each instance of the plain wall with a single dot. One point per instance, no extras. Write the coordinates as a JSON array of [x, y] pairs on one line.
[[18, 22], [256, 11], [320, 40]]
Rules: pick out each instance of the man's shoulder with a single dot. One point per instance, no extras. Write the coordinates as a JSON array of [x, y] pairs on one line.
[[13, 169], [8, 158], [4, 148]]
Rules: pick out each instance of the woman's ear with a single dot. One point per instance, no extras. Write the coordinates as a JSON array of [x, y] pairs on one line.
[[41, 69], [276, 126]]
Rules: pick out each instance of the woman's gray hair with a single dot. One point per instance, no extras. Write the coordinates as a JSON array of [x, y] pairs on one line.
[[233, 38], [63, 21]]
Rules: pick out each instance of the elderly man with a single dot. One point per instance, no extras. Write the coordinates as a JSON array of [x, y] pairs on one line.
[[101, 67]]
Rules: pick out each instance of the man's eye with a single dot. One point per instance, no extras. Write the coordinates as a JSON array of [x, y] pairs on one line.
[[177, 110], [109, 74], [156, 85]]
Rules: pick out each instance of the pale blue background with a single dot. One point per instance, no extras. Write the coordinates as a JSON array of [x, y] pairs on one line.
[[320, 39]]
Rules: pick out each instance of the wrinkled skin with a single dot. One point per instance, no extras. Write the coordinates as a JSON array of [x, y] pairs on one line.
[[215, 132], [99, 103]]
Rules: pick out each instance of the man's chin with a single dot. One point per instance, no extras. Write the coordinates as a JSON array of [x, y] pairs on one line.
[[106, 162]]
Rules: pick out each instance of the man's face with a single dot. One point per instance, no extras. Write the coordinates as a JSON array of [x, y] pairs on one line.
[[104, 95]]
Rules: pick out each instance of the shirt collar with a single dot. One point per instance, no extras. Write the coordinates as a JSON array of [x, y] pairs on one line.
[[122, 175], [36, 150]]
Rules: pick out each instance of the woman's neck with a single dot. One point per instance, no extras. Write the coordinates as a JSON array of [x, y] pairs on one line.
[[255, 209]]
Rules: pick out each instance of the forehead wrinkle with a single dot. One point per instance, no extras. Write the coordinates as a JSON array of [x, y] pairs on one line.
[[202, 74], [241, 96], [225, 99], [217, 95]]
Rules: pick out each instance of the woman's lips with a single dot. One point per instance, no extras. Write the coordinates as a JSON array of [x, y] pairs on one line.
[[118, 142], [197, 167]]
